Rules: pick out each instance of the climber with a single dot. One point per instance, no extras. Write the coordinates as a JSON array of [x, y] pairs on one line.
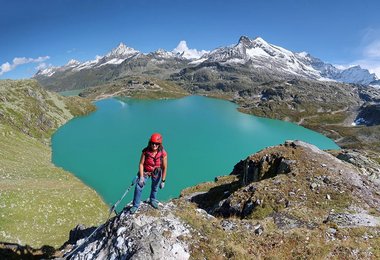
[[153, 163]]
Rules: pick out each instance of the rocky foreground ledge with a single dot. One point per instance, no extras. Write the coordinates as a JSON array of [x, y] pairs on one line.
[[290, 201], [148, 234]]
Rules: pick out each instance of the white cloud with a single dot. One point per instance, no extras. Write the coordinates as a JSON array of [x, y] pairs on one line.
[[188, 53], [371, 57], [372, 50], [6, 67]]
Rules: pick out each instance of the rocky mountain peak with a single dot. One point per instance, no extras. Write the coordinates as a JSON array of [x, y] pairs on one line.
[[160, 51], [72, 62], [122, 51], [162, 55], [260, 41], [356, 74], [182, 50], [244, 40]]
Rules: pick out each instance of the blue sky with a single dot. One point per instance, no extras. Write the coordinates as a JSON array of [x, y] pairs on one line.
[[39, 33]]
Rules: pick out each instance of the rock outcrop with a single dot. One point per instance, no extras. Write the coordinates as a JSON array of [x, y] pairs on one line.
[[148, 234], [304, 166], [366, 165]]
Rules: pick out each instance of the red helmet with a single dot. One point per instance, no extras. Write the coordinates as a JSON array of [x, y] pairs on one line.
[[156, 138]]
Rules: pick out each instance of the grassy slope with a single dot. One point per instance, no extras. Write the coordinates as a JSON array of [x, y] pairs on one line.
[[39, 203]]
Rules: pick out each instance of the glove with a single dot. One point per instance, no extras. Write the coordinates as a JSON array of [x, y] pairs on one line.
[[162, 185], [141, 182]]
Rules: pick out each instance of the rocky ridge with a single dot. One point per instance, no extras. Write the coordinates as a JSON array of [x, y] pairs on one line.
[[260, 60]]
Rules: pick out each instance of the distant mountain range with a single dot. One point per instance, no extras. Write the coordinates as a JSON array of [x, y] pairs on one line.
[[256, 59]]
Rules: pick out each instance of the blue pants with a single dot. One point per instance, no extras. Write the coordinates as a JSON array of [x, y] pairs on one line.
[[156, 177]]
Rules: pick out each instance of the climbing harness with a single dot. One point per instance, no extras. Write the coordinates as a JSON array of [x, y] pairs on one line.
[[112, 209]]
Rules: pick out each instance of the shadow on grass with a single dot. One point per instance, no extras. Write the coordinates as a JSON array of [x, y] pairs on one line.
[[15, 251], [11, 251], [209, 200]]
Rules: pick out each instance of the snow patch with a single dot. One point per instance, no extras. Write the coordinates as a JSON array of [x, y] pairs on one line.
[[236, 61], [48, 72], [199, 61], [256, 52]]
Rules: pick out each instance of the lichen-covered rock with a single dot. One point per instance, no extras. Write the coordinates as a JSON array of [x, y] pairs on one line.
[[353, 220], [366, 165]]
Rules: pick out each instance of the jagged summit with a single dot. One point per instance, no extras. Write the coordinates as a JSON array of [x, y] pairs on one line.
[[121, 51], [163, 54], [244, 40], [258, 41], [183, 51], [72, 62]]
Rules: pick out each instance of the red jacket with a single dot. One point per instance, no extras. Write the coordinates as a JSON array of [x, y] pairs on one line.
[[151, 162]]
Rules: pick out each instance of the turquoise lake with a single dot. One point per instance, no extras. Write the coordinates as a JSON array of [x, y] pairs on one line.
[[204, 138]]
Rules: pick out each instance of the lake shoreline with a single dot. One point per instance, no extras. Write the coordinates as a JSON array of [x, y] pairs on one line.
[[102, 140]]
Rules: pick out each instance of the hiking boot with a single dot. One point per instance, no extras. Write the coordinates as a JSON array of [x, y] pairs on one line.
[[133, 210], [154, 204]]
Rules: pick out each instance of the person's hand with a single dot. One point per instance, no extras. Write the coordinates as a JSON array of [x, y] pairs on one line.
[[134, 181], [162, 185], [141, 181]]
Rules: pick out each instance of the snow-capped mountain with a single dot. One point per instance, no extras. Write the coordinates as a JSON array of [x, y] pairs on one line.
[[258, 53], [254, 56], [115, 56], [121, 52], [72, 63], [191, 54], [118, 55], [353, 74], [162, 54], [357, 75]]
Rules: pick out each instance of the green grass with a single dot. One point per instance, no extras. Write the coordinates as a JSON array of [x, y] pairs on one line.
[[39, 203]]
